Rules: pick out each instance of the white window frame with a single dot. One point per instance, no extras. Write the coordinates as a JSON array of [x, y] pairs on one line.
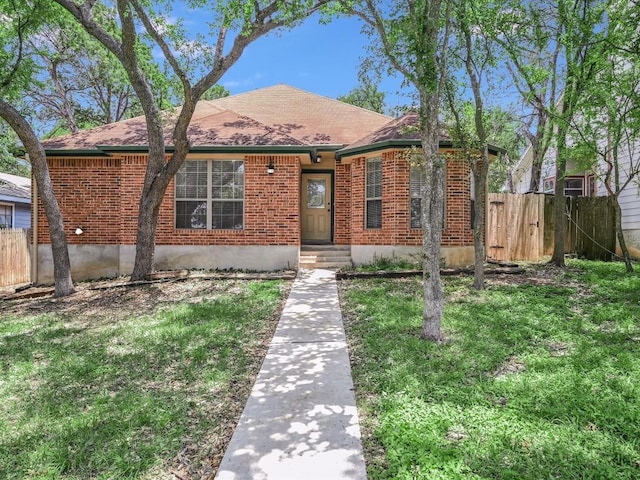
[[209, 200], [580, 190], [367, 199], [549, 185], [13, 214]]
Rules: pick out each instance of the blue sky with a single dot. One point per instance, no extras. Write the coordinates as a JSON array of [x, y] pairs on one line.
[[320, 58]]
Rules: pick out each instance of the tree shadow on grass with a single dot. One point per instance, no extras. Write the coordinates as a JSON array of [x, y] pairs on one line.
[[456, 410], [120, 398]]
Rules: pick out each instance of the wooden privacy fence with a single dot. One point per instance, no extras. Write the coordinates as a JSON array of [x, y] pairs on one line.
[[521, 227], [15, 257]]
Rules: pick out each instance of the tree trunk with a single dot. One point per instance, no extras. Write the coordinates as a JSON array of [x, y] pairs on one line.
[[536, 172], [431, 240], [480, 174], [620, 234], [149, 211], [560, 204], [159, 174], [432, 215], [37, 156]]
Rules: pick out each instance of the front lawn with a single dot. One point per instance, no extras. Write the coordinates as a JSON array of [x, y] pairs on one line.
[[141, 382], [539, 376]]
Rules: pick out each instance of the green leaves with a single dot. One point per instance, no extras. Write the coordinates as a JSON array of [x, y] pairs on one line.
[[366, 96]]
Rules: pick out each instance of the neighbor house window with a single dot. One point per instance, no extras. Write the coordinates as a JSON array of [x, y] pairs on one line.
[[210, 194], [574, 187], [549, 185], [373, 196], [6, 216]]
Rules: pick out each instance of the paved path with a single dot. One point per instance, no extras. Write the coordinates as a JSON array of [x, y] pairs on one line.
[[301, 422]]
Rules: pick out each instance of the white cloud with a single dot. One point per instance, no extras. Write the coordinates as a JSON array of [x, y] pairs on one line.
[[245, 82]]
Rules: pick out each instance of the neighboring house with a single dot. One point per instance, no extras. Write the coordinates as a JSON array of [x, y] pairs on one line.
[[15, 201], [580, 182], [269, 171]]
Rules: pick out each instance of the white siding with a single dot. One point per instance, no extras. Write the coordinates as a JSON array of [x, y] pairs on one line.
[[630, 197]]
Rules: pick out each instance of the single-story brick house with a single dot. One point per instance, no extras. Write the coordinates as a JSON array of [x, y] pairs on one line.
[[269, 171]]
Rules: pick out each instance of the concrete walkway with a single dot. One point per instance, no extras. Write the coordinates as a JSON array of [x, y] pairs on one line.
[[301, 422]]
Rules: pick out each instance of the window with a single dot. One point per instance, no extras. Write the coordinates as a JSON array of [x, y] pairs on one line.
[[574, 187], [227, 193], [415, 194], [591, 179], [415, 187], [210, 194], [549, 185], [6, 216], [373, 196]]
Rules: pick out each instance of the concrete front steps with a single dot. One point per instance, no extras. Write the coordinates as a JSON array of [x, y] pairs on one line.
[[325, 256]]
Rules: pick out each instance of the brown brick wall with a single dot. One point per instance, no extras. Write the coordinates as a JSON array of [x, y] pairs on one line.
[[102, 196], [86, 190], [342, 205], [396, 221]]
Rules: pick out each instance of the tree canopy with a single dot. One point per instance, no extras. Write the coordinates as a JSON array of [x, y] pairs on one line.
[[366, 95]]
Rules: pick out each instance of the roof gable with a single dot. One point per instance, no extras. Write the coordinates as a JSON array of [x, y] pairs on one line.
[[15, 187], [278, 115], [401, 132]]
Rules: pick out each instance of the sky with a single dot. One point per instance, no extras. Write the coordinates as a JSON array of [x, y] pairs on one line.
[[320, 58]]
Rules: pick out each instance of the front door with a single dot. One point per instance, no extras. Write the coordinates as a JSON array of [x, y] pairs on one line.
[[316, 207]]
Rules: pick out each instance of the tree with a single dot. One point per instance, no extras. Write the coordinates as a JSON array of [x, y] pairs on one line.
[[187, 58], [529, 41], [9, 153], [551, 47], [578, 22], [366, 95], [217, 91], [411, 36], [22, 20], [606, 130], [505, 131], [80, 84], [474, 53]]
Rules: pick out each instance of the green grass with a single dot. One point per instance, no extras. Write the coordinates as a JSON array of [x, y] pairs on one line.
[[389, 264], [535, 381], [121, 397]]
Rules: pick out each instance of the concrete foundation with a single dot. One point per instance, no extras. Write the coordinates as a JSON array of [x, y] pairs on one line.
[[449, 256], [108, 261]]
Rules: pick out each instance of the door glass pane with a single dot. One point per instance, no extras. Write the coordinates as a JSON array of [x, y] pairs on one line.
[[316, 190]]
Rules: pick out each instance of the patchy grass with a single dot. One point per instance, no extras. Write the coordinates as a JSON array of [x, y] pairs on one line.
[[106, 386], [538, 379], [382, 263]]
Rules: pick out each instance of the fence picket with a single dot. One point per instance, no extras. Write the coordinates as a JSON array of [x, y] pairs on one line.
[[15, 257], [520, 227]]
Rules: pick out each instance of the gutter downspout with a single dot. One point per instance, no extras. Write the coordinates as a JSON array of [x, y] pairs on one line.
[[34, 228]]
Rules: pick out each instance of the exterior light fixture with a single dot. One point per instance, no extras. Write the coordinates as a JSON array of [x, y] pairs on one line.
[[271, 168], [79, 230]]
